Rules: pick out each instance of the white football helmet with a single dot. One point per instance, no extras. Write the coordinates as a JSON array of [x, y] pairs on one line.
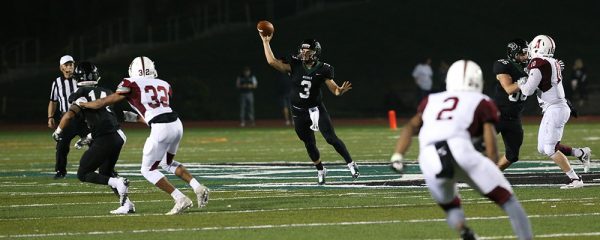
[[464, 75], [142, 67], [541, 46]]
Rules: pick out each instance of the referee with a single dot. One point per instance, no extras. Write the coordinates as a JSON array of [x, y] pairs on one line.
[[62, 87]]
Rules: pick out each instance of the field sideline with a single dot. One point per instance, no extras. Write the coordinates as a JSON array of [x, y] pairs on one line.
[[263, 187]]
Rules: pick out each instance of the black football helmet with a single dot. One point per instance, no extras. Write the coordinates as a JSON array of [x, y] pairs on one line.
[[515, 47], [315, 50], [86, 74]]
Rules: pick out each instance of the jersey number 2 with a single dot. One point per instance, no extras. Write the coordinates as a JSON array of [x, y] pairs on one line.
[[454, 101], [156, 101]]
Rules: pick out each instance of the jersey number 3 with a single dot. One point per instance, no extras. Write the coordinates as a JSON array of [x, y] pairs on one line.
[[306, 85], [156, 101], [441, 115]]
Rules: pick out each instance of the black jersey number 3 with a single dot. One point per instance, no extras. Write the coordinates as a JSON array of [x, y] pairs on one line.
[[306, 85]]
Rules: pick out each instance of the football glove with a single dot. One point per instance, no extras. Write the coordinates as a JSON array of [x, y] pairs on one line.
[[87, 140], [130, 116], [522, 81], [56, 135], [396, 162], [561, 64]]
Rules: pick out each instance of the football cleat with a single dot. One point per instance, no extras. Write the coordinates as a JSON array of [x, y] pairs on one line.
[[468, 234], [60, 175], [181, 204], [575, 183], [202, 195], [353, 169], [321, 174], [585, 159], [126, 208]]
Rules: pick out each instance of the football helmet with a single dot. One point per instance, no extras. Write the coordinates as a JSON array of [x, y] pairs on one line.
[[541, 46], [142, 67], [86, 74], [464, 75], [515, 47], [309, 50]]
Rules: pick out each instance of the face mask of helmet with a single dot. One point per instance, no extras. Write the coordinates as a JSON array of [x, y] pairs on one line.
[[309, 51], [306, 55]]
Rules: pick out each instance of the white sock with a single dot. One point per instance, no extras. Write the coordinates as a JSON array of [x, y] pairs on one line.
[[194, 183], [577, 152], [177, 194], [572, 174], [113, 182]]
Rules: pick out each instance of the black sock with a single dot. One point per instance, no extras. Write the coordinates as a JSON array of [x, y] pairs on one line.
[[319, 166]]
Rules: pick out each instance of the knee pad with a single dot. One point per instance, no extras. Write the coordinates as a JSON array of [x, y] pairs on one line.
[[152, 176], [499, 195], [170, 167], [455, 203], [547, 149]]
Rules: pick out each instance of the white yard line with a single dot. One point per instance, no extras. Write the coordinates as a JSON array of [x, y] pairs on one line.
[[301, 225]]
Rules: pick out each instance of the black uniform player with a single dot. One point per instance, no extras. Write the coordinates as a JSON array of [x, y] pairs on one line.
[[108, 139], [510, 100], [308, 74]]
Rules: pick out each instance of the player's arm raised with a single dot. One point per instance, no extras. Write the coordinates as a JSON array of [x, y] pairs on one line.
[[337, 90], [103, 102], [507, 83], [274, 62]]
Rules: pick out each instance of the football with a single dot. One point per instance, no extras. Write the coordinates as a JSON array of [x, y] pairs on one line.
[[265, 28]]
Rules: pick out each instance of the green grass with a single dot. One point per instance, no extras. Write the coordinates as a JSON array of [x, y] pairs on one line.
[[271, 202]]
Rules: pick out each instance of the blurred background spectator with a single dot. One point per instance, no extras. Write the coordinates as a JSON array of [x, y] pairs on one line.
[[423, 75], [579, 82], [246, 83]]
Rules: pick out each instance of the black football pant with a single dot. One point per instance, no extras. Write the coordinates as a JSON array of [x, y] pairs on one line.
[[102, 155], [76, 127], [302, 124], [512, 135]]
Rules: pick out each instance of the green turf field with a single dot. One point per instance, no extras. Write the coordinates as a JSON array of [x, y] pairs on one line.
[[263, 187]]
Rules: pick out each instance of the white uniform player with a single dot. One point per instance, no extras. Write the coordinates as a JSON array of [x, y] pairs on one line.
[[150, 97], [447, 124], [545, 78]]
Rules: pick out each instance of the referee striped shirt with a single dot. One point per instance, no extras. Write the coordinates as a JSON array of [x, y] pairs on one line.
[[61, 90]]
